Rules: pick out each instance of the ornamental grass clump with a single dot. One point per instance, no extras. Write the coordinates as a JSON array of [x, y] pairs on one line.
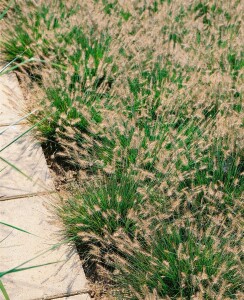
[[142, 102], [157, 246]]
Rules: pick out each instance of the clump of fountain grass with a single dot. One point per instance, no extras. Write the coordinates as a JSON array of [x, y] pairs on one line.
[[147, 109]]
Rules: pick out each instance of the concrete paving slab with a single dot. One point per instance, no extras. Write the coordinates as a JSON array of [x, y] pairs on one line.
[[11, 99], [26, 154], [66, 276]]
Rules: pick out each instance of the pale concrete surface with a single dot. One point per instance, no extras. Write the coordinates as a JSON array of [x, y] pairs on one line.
[[65, 276], [11, 99], [26, 154]]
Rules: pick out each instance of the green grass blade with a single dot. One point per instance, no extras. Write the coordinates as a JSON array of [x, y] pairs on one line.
[[5, 238], [12, 142], [7, 65], [18, 137], [3, 290], [15, 270], [6, 10], [19, 267], [18, 121], [15, 168], [14, 227], [2, 169]]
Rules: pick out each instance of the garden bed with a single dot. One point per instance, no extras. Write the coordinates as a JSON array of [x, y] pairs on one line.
[[140, 113]]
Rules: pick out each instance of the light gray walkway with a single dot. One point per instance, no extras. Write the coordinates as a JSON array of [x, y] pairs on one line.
[[28, 204], [11, 104]]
